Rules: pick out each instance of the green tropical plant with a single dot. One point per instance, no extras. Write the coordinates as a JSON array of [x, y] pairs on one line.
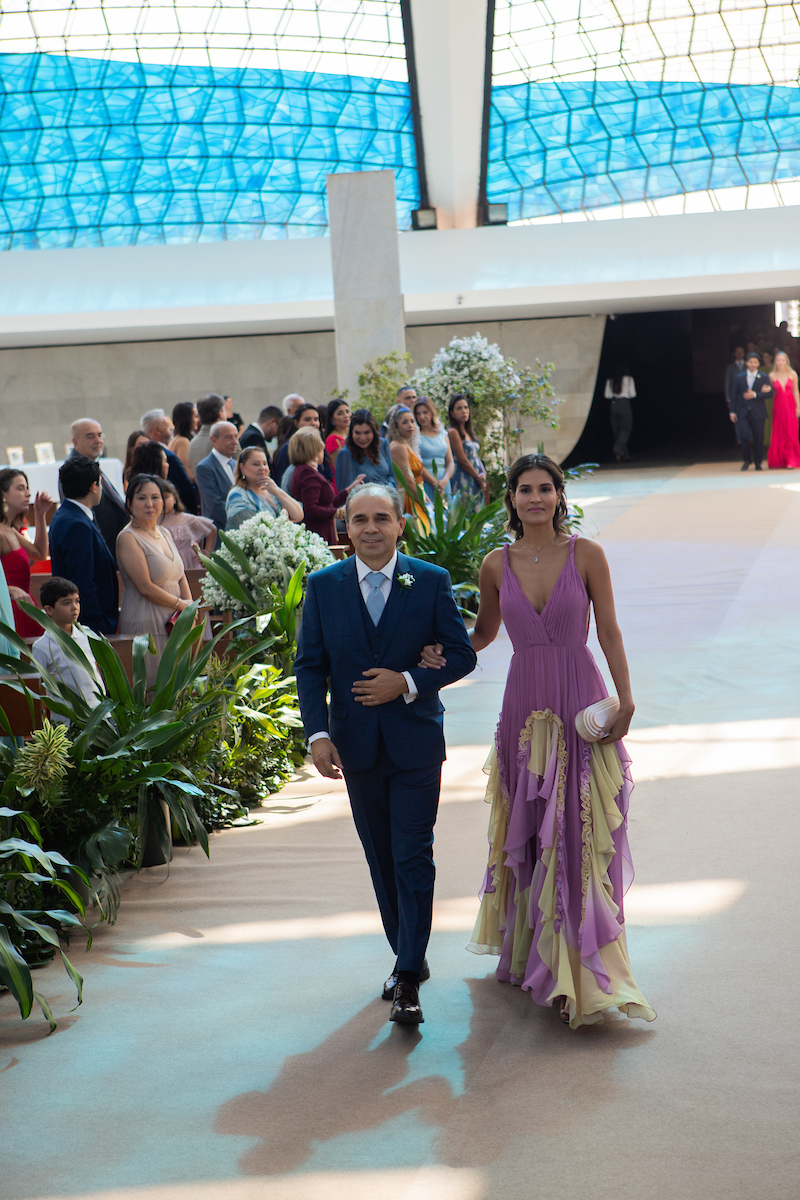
[[379, 382], [29, 924]]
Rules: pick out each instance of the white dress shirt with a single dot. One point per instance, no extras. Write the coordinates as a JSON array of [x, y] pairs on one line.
[[387, 571], [47, 651], [224, 462], [84, 508], [751, 378]]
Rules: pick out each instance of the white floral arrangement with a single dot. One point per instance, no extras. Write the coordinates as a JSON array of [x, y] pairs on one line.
[[469, 365], [275, 547]]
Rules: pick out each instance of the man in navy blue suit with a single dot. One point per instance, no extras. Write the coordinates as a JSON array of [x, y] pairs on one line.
[[77, 548], [365, 622], [748, 409]]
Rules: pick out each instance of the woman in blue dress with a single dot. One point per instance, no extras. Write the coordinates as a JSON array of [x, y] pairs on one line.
[[255, 491], [434, 448], [364, 453], [470, 473]]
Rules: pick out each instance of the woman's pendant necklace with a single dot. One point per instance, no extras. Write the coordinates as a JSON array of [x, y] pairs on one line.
[[536, 556]]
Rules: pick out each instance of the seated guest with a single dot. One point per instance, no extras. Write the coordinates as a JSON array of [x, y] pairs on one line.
[[305, 415], [337, 423], [78, 550], [185, 423], [155, 585], [215, 473], [137, 438], [364, 451], [187, 529], [149, 458], [17, 551], [264, 430], [158, 426], [60, 600], [209, 410], [110, 514], [320, 505], [254, 491]]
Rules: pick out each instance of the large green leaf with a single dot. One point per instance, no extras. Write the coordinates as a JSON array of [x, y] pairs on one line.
[[15, 974], [116, 679], [233, 547], [228, 580]]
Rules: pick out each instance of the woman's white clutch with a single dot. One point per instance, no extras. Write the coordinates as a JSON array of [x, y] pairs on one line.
[[592, 723]]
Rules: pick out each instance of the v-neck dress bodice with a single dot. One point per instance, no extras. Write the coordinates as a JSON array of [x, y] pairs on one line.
[[559, 864]]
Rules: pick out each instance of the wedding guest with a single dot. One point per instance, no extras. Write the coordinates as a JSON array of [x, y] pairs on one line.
[[784, 450], [470, 474], [155, 586], [320, 504], [733, 370], [187, 529], [158, 426], [336, 426], [620, 390], [434, 448], [78, 550], [228, 414], [186, 422], [365, 452], [215, 476], [209, 410], [749, 409], [262, 430], [61, 601], [110, 514], [404, 445], [137, 438], [305, 415], [149, 459], [291, 403], [255, 491], [17, 551]]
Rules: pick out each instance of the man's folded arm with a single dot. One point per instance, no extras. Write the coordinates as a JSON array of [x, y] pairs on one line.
[[449, 630]]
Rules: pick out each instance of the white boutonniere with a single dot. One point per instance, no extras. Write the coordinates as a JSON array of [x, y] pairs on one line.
[[406, 581]]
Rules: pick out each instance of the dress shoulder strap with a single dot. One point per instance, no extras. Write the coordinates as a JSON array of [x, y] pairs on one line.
[[572, 542]]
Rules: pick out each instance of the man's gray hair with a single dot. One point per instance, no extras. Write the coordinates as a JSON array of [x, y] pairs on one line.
[[375, 489], [287, 401], [219, 425], [150, 418]]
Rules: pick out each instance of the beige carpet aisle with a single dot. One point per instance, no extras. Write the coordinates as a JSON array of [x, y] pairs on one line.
[[232, 1045]]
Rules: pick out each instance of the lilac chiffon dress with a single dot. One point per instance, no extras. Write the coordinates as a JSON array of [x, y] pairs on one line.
[[559, 864]]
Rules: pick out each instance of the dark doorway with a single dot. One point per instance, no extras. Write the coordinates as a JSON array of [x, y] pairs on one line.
[[678, 362]]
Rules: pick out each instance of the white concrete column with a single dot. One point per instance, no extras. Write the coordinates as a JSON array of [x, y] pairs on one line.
[[368, 302], [450, 50]]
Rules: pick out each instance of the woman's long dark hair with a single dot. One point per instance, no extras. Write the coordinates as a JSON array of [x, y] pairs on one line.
[[373, 450], [7, 477], [616, 380], [132, 439], [148, 459], [535, 462], [468, 430], [332, 407], [183, 419]]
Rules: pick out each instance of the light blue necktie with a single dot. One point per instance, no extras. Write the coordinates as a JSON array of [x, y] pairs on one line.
[[375, 600], [232, 465]]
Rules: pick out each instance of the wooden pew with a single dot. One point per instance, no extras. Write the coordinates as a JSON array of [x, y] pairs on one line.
[[15, 705]]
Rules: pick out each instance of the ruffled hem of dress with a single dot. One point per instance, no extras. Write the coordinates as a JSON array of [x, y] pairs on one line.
[[521, 915]]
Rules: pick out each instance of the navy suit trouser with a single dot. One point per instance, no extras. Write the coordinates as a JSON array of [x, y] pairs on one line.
[[751, 428], [394, 809]]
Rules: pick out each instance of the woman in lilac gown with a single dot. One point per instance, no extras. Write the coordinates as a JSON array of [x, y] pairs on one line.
[[559, 865]]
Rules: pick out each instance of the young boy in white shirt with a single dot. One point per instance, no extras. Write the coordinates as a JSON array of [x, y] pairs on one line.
[[60, 600]]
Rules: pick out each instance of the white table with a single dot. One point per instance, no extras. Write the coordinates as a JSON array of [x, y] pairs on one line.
[[43, 477]]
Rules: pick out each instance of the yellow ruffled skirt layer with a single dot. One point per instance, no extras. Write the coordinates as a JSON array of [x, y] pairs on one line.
[[555, 921]]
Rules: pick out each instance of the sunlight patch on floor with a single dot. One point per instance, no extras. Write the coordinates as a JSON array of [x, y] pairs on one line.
[[681, 903], [426, 1183], [672, 751]]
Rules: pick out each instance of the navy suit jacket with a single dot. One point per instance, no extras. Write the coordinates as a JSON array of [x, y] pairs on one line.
[[214, 486], [176, 473], [333, 645], [78, 552], [756, 407]]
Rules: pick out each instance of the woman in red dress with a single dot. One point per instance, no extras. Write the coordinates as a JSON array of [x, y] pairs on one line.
[[320, 505], [17, 551], [784, 447]]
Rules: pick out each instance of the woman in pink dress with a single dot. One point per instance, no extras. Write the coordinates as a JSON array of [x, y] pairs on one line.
[[17, 551], [559, 864], [784, 446]]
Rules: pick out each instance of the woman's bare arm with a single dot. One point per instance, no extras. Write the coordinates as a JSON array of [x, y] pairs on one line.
[[460, 454], [592, 564], [400, 456]]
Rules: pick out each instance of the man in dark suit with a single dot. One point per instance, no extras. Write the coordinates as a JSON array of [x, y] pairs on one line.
[[159, 428], [77, 548], [262, 431], [215, 472], [748, 410], [110, 514], [365, 622]]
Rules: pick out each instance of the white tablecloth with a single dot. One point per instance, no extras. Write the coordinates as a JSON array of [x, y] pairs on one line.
[[43, 477]]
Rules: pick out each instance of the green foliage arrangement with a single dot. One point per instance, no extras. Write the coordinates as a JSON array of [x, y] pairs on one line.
[[379, 381]]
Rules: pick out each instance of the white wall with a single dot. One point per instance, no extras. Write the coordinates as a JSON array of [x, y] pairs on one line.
[[44, 389]]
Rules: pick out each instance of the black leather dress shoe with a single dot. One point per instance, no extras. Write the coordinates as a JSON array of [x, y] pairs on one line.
[[405, 1006], [391, 982], [744, 466], [759, 467]]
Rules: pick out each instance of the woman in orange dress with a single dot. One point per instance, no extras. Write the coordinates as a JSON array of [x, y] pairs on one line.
[[403, 434]]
